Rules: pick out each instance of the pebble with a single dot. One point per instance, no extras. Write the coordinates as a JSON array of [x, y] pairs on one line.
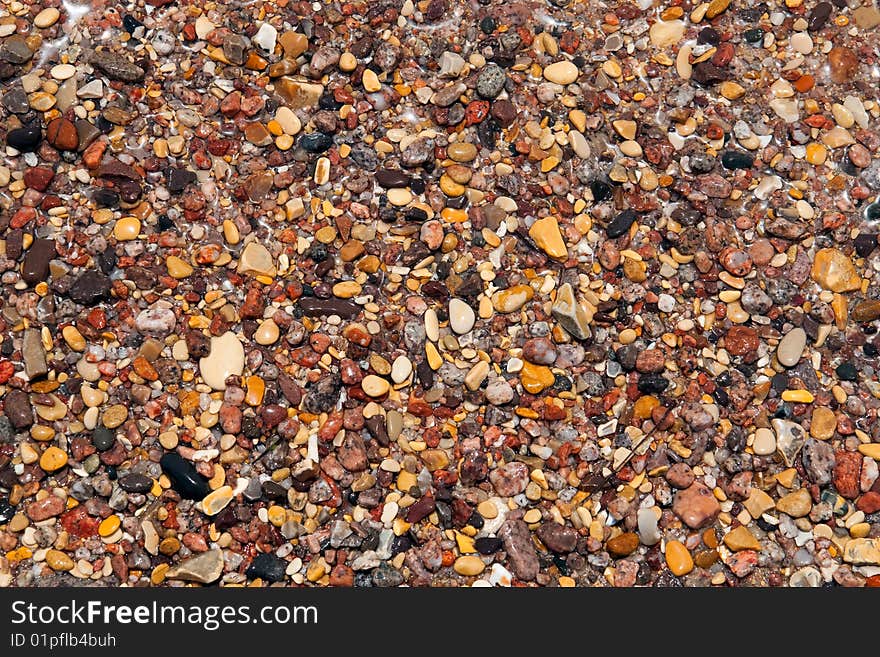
[[563, 72], [226, 358], [203, 568], [791, 347], [461, 316], [678, 559], [47, 18]]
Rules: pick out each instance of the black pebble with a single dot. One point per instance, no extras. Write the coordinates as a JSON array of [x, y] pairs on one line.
[[779, 382], [620, 224], [267, 567], [184, 477], [709, 35], [754, 36], [847, 372], [24, 139], [316, 142], [600, 189], [130, 23], [487, 545], [135, 483], [737, 160], [103, 438], [650, 384], [6, 511]]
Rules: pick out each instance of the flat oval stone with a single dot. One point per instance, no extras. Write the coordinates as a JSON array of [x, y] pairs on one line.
[[36, 261], [564, 72], [314, 307], [391, 178], [791, 347], [737, 160], [135, 483]]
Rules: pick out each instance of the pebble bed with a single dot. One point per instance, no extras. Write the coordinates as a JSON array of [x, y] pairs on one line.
[[439, 293]]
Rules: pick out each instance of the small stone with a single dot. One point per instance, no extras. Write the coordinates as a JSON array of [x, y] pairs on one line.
[[520, 549], [862, 551], [563, 72], [790, 348], [696, 506], [62, 134], [34, 355], [24, 139], [267, 567], [256, 259], [490, 82], [620, 224], [59, 561], [469, 565], [116, 66], [127, 228], [375, 386], [203, 568], [790, 438], [622, 545], [536, 378], [796, 504], [510, 479], [741, 539], [823, 423], [558, 538], [547, 236], [844, 63], [217, 500], [90, 288], [47, 18], [267, 333], [666, 33], [678, 559], [512, 299], [185, 479], [758, 503], [451, 64], [53, 459], [570, 314], [461, 316], [266, 37], [178, 268], [765, 442], [649, 532], [225, 359]]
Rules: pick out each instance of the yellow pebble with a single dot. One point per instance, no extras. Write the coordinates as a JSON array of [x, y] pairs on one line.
[[73, 338], [127, 228], [109, 525], [678, 558], [277, 515], [816, 153], [53, 459], [801, 396], [469, 565], [371, 81]]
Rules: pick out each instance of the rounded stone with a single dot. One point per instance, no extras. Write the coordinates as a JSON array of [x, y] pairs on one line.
[[790, 348], [225, 359]]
